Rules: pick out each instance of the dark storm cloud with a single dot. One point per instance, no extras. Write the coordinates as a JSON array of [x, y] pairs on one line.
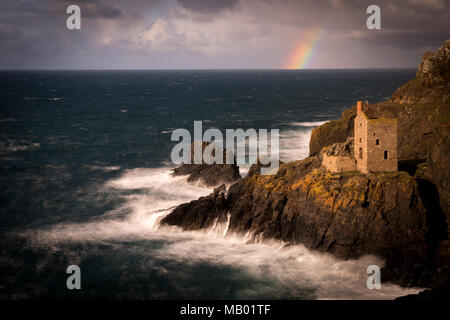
[[405, 23], [33, 32], [92, 8], [413, 23], [99, 11], [208, 6]]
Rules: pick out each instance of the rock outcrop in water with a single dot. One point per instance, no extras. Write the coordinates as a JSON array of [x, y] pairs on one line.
[[401, 216], [347, 214], [210, 175]]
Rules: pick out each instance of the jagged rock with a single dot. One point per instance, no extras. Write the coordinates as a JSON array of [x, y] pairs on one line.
[[256, 167], [431, 81], [220, 189], [398, 216], [340, 149], [420, 106], [332, 132], [199, 214], [442, 293], [209, 174], [348, 215], [438, 165]]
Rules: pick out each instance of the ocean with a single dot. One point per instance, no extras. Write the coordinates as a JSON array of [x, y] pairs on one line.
[[85, 178]]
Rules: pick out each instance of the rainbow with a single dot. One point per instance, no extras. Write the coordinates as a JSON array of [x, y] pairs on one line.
[[304, 51]]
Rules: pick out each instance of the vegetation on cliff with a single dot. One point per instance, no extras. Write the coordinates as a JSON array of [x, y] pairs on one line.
[[349, 214], [400, 216], [421, 107]]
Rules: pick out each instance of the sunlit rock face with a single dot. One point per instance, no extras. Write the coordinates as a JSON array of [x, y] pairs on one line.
[[432, 79], [348, 214], [400, 216], [421, 106]]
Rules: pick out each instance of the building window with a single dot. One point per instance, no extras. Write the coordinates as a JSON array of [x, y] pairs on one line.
[[360, 139], [360, 153], [377, 142], [385, 154]]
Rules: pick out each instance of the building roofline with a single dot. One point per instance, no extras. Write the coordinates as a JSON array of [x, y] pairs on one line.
[[363, 114], [382, 120]]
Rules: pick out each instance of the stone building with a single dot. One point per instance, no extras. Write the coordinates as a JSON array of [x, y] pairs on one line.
[[374, 146], [339, 157]]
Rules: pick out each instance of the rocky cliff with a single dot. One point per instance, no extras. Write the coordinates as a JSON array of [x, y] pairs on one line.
[[347, 214], [401, 216], [421, 107]]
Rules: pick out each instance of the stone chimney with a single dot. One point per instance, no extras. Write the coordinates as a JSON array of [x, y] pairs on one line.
[[359, 107]]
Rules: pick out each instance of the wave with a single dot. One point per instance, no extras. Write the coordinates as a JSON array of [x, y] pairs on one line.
[[152, 193], [23, 145], [102, 168], [43, 98], [294, 143], [308, 124], [149, 193]]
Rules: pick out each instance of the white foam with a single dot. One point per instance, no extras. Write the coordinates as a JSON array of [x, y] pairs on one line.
[[294, 143], [331, 278], [157, 192], [293, 266], [244, 169], [102, 168], [308, 124], [13, 146], [152, 193]]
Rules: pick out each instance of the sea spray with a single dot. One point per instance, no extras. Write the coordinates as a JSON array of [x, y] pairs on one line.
[[60, 199], [292, 268], [294, 142]]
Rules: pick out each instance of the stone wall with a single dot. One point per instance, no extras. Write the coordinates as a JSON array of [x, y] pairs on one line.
[[360, 142], [338, 163], [375, 143], [374, 146], [381, 139]]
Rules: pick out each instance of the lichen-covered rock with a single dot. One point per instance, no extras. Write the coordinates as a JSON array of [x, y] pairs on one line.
[[341, 149], [431, 81], [399, 216], [422, 110], [420, 106], [432, 78], [332, 132], [347, 214]]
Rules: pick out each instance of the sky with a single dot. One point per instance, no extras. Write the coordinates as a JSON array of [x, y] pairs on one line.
[[219, 34]]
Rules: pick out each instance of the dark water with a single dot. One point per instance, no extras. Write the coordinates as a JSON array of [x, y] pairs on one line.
[[84, 162]]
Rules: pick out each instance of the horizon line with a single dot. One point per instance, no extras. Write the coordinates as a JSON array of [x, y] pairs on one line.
[[201, 69]]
